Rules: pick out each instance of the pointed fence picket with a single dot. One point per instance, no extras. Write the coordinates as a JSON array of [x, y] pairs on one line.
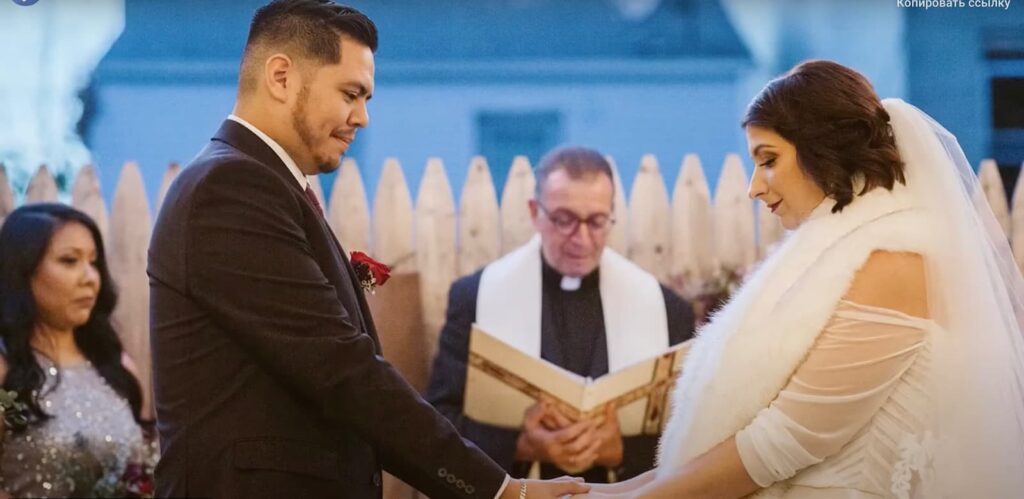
[[516, 225], [733, 217], [479, 219], [692, 236], [435, 246], [129, 246], [349, 213], [42, 188], [87, 197], [649, 234], [393, 220]]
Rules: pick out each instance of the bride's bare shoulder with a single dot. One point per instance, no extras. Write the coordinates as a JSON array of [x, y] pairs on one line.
[[893, 280]]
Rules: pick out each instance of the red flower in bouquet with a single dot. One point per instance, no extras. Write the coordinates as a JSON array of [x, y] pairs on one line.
[[370, 272], [131, 479], [137, 480]]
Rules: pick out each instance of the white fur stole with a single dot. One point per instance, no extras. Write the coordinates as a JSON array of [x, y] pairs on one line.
[[746, 354]]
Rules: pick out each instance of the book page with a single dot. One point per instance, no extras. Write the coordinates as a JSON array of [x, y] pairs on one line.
[[502, 382], [635, 376]]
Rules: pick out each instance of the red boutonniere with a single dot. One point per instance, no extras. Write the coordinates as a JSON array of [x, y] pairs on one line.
[[370, 272]]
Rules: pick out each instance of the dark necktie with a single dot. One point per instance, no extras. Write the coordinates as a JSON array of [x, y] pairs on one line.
[[313, 200]]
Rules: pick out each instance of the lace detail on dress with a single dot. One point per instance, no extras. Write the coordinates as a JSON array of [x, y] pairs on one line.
[[915, 455]]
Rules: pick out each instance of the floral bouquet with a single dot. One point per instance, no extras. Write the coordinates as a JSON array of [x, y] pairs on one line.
[[13, 411], [707, 295], [136, 480]]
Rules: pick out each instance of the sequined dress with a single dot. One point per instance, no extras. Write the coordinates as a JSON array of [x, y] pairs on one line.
[[83, 450]]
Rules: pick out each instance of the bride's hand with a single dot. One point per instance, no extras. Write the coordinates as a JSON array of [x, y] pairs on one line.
[[602, 491], [598, 495], [543, 489], [620, 490]]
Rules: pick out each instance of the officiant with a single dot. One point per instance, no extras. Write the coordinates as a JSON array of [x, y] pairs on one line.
[[566, 298]]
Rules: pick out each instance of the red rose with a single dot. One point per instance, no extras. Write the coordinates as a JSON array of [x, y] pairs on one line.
[[145, 486], [371, 273], [137, 480]]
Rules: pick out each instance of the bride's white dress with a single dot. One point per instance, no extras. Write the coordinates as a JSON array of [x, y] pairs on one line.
[[852, 413], [832, 399]]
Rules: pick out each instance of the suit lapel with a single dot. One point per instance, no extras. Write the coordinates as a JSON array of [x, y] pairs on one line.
[[365, 317], [345, 283]]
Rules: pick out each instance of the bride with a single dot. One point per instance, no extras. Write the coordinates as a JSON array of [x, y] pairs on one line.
[[878, 351]]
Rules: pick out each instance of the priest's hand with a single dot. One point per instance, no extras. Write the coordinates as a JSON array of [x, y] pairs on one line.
[[548, 436], [609, 452], [606, 434]]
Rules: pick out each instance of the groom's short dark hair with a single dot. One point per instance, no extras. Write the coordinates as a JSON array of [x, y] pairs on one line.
[[306, 28]]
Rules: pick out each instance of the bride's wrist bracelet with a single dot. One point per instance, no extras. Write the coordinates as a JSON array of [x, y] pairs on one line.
[[522, 489]]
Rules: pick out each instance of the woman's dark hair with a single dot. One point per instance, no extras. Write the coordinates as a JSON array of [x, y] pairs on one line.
[[24, 239], [833, 117]]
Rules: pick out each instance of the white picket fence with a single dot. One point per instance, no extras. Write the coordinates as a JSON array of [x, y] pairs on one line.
[[680, 238]]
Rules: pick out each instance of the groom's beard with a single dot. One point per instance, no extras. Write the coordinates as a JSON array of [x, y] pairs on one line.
[[301, 126]]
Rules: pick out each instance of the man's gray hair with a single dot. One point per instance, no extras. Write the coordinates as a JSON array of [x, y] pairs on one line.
[[578, 162]]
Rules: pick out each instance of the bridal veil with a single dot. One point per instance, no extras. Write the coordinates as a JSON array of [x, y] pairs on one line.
[[976, 294]]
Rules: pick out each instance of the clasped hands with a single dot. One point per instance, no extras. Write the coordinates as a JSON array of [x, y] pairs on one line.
[[549, 436]]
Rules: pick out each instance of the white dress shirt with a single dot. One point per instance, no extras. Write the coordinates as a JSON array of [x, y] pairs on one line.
[[281, 153]]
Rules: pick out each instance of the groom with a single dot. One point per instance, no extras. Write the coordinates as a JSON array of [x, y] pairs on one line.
[[268, 372]]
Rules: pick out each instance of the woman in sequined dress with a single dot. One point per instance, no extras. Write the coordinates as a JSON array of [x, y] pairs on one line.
[[62, 357]]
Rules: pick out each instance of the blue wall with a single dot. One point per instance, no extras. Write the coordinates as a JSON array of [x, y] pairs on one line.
[[666, 84], [156, 124], [671, 83], [950, 73]]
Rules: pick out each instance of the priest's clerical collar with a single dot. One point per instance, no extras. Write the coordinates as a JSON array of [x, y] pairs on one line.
[[553, 278]]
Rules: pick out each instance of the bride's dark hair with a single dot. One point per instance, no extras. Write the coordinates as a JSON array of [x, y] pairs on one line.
[[833, 117], [24, 238]]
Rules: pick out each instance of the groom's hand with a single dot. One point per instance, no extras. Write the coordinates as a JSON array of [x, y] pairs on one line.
[[571, 445], [546, 489]]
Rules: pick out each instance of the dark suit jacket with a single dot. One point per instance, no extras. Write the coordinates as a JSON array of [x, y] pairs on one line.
[[448, 384], [268, 372]]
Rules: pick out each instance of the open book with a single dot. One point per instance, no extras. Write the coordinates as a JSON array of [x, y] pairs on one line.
[[502, 382]]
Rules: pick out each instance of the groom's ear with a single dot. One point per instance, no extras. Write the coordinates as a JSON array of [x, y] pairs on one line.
[[281, 77]]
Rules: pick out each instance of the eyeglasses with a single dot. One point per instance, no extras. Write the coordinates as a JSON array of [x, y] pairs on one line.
[[567, 222]]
